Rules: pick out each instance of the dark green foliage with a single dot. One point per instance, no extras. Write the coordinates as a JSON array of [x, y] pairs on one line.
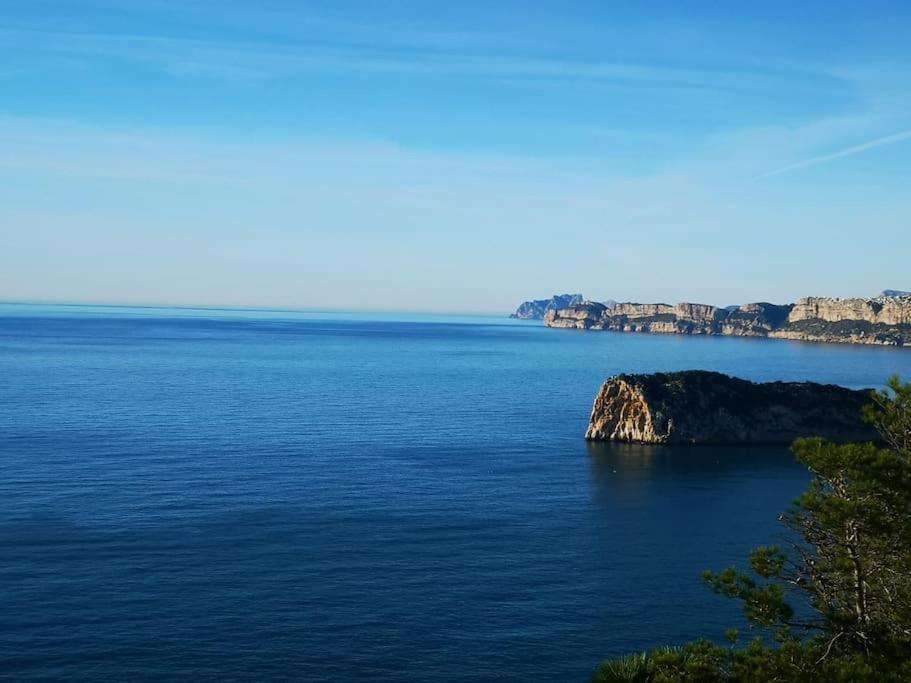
[[835, 603], [721, 408], [707, 662], [890, 415]]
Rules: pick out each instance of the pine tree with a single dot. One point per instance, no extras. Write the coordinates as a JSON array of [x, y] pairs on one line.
[[836, 600]]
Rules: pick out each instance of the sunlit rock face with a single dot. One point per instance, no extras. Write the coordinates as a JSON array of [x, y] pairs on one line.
[[708, 407], [621, 413], [884, 320], [582, 316], [886, 310], [641, 310]]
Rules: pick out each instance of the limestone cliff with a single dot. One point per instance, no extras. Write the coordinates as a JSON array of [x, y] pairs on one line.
[[708, 407], [580, 316], [881, 320], [884, 310]]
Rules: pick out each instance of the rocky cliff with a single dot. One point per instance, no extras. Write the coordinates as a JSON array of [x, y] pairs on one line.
[[535, 310], [709, 407], [891, 310], [882, 320]]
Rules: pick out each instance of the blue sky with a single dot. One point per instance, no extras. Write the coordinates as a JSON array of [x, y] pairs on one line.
[[452, 156]]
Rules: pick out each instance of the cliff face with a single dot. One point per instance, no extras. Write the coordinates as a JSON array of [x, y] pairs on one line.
[[582, 316], [684, 318], [535, 310], [709, 407], [881, 310], [883, 320], [752, 320]]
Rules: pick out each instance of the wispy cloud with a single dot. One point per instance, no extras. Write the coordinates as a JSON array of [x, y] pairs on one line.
[[185, 198], [187, 156], [191, 56], [840, 154]]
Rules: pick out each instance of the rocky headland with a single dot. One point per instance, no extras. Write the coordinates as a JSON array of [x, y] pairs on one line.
[[697, 406], [884, 320], [535, 309]]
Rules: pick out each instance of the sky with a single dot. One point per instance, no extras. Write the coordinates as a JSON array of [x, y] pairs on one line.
[[452, 157]]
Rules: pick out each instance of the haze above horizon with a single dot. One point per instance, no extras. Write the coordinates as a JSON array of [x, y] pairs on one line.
[[412, 156]]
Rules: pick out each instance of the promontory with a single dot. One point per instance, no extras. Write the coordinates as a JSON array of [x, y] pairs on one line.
[[536, 308], [884, 320], [697, 406]]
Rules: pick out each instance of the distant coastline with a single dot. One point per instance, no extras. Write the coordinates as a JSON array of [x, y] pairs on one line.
[[883, 320]]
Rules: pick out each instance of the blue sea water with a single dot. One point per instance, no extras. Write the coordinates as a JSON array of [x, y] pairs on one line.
[[239, 495]]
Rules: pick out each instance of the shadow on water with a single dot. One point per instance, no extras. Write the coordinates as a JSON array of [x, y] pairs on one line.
[[663, 514], [629, 457], [688, 477]]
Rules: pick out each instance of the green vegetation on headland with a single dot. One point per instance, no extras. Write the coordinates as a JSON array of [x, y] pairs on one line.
[[835, 604], [698, 406]]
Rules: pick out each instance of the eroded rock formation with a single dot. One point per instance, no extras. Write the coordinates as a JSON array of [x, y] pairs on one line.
[[884, 310], [882, 320], [708, 407]]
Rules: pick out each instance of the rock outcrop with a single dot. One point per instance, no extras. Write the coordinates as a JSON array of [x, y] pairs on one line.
[[884, 320], [881, 310], [708, 407], [535, 310]]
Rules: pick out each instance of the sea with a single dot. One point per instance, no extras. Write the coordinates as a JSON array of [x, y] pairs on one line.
[[199, 494]]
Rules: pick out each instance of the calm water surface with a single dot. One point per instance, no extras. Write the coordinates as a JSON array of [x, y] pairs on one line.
[[325, 497]]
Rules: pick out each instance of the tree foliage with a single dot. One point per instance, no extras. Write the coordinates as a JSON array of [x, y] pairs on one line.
[[833, 604], [890, 414]]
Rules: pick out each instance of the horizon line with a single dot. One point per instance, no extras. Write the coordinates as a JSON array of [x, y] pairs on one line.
[[238, 307]]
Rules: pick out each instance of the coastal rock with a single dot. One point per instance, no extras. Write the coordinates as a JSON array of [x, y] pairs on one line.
[[881, 320], [683, 318], [642, 310], [885, 310], [845, 332], [752, 320], [697, 406], [581, 316], [536, 309]]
